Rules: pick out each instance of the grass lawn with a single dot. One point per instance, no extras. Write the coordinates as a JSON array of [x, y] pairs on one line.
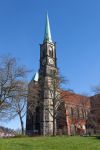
[[50, 143]]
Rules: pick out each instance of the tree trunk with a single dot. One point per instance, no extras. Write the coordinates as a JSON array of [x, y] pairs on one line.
[[54, 126], [54, 112], [22, 124]]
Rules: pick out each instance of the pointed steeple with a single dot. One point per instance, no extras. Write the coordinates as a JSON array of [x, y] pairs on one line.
[[47, 34], [36, 77]]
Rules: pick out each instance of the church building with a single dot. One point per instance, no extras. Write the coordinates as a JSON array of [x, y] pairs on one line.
[[41, 120], [72, 118]]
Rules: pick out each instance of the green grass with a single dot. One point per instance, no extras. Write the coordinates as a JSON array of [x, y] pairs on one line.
[[50, 143]]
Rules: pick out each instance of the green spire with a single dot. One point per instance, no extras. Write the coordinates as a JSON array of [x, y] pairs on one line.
[[47, 34]]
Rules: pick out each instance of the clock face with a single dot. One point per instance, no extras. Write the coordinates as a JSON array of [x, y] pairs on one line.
[[51, 61]]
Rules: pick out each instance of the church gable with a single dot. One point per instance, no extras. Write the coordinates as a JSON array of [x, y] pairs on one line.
[[73, 109]]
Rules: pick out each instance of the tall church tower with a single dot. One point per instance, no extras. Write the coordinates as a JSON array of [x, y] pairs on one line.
[[48, 66], [39, 119]]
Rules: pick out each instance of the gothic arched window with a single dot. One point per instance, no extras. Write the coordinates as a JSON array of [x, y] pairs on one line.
[[78, 114], [50, 52], [82, 112], [72, 112], [43, 53]]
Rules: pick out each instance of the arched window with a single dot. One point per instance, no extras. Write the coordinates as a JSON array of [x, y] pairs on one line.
[[82, 112], [43, 53], [78, 114], [72, 112], [37, 120], [50, 52]]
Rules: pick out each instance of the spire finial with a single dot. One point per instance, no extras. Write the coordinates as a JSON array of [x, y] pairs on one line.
[[47, 34]]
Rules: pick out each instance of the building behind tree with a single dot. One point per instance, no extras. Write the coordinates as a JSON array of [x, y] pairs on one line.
[[72, 113]]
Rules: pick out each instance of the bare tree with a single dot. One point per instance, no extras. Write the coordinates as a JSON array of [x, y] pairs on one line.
[[56, 90], [13, 88], [18, 104], [93, 121], [96, 89]]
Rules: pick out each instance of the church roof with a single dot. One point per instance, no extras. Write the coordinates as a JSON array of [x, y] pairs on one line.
[[47, 34], [75, 99]]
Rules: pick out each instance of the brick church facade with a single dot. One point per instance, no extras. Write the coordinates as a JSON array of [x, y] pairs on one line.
[[72, 118], [77, 108]]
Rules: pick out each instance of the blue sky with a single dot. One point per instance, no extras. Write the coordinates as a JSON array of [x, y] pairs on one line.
[[75, 26]]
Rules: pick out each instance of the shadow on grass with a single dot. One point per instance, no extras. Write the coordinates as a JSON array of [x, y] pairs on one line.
[[98, 137], [95, 136]]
